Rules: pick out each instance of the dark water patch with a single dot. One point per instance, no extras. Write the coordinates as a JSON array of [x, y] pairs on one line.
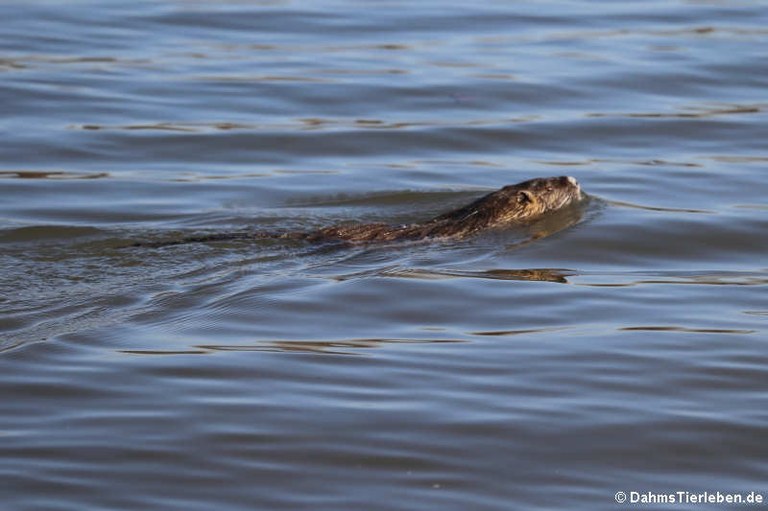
[[40, 233], [702, 114], [168, 352], [310, 124], [47, 174], [89, 63], [671, 328], [329, 347], [510, 333], [169, 126], [7, 64]]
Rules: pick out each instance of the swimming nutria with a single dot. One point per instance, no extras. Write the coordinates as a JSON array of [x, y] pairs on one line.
[[513, 205]]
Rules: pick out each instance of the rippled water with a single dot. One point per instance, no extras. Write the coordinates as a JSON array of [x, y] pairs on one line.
[[624, 349]]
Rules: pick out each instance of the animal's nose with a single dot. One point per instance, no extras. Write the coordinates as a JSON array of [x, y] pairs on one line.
[[572, 180]]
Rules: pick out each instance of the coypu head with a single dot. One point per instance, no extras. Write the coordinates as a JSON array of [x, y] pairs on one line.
[[512, 205], [538, 196]]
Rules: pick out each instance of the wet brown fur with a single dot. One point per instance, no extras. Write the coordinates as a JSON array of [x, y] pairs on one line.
[[513, 205]]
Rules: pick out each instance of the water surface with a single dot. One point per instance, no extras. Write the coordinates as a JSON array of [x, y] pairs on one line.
[[625, 350]]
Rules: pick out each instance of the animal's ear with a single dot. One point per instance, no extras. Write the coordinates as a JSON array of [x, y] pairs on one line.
[[524, 197]]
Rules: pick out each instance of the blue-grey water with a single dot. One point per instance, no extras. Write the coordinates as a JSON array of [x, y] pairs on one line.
[[624, 349]]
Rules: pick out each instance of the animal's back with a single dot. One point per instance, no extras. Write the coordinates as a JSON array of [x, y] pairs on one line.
[[512, 205]]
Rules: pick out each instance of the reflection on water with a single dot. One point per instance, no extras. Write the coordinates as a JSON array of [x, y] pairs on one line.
[[538, 275], [616, 346], [690, 330], [44, 174], [698, 113], [336, 347]]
